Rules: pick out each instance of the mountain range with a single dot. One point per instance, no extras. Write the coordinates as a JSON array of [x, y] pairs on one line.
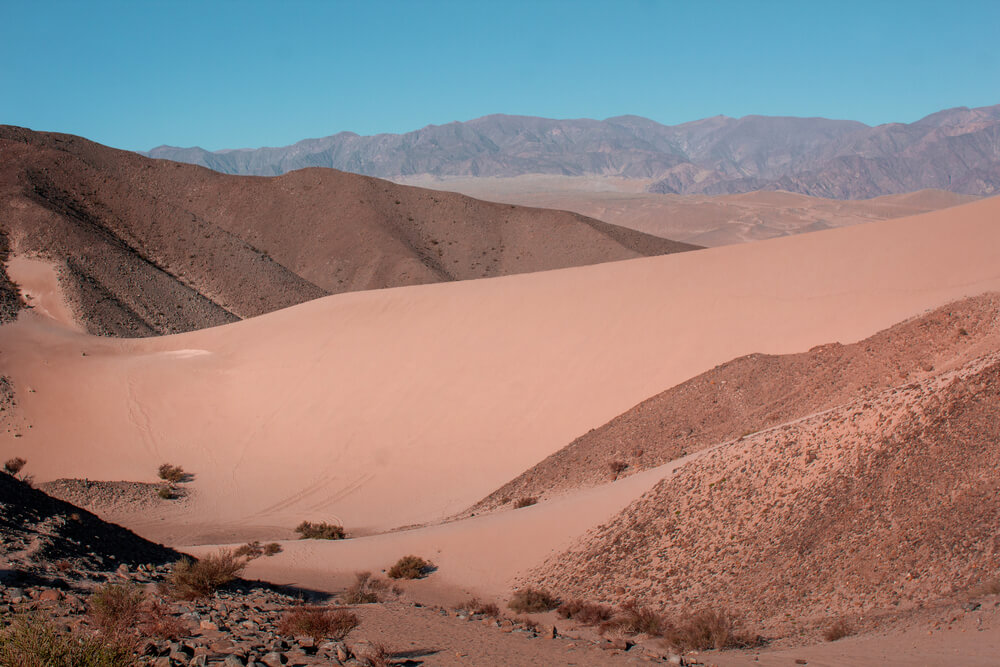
[[956, 149]]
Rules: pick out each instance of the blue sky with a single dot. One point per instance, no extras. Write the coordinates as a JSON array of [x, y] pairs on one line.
[[136, 74]]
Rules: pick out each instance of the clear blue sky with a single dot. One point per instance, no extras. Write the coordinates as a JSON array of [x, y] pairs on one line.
[[136, 74]]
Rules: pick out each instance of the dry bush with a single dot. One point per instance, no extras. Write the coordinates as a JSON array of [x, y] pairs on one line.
[[308, 530], [157, 621], [617, 468], [366, 589], [171, 473], [272, 549], [532, 600], [116, 609], [198, 579], [631, 619], [526, 501], [166, 493], [377, 655], [526, 622], [34, 642], [587, 613], [410, 567], [319, 623], [476, 606], [14, 465], [250, 550], [837, 630], [706, 629]]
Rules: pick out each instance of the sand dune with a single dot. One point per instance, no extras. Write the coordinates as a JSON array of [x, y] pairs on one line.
[[386, 408]]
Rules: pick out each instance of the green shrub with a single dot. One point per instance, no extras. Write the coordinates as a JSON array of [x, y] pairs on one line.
[[308, 530], [410, 567]]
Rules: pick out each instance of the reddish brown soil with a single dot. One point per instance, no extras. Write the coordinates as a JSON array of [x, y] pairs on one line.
[[757, 392], [151, 247], [875, 508]]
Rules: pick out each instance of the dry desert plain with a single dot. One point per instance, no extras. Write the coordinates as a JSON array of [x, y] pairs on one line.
[[394, 411]]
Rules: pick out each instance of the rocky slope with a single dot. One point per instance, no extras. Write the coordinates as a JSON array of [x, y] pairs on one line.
[[881, 505], [956, 149], [758, 392], [148, 247]]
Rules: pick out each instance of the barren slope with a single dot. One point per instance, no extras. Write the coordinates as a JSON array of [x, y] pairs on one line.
[[391, 407], [879, 506], [148, 247], [702, 219], [758, 392]]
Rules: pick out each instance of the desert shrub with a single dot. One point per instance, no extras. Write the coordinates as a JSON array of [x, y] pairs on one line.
[[171, 473], [531, 600], [476, 606], [33, 642], [116, 609], [250, 550], [631, 619], [410, 567], [157, 621], [837, 630], [272, 549], [525, 501], [366, 589], [527, 623], [587, 613], [197, 579], [706, 629], [318, 623], [617, 468], [308, 530], [166, 493], [14, 465]]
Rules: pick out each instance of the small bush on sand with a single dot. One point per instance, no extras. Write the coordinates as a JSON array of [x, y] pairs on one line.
[[33, 642], [706, 629], [198, 579], [631, 619], [366, 589], [319, 623], [255, 549], [308, 530], [14, 465], [587, 613], [526, 501], [532, 600], [172, 474], [166, 493], [272, 549], [116, 609], [837, 630], [410, 567], [476, 606]]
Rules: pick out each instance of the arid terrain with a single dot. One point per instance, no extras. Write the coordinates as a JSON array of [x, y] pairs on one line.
[[143, 247], [768, 452]]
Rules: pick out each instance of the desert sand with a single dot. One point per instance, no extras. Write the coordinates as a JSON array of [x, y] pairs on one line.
[[395, 407], [384, 409]]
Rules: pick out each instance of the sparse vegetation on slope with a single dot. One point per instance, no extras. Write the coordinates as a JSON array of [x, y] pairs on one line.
[[308, 530], [196, 579], [410, 567]]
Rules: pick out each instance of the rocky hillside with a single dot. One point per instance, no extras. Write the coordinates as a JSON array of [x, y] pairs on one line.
[[881, 505], [956, 149], [758, 392], [148, 247]]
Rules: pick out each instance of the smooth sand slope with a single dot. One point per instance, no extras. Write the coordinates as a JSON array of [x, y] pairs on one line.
[[386, 408], [701, 219]]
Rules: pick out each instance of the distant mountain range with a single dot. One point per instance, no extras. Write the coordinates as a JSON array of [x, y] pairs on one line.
[[956, 149]]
